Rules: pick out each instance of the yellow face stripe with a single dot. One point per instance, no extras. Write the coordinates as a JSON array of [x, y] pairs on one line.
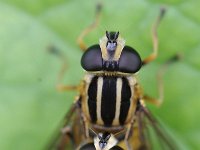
[[120, 46], [102, 44], [118, 51]]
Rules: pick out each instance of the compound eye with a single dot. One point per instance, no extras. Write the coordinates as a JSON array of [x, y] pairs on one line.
[[116, 148], [88, 146], [92, 59], [130, 61]]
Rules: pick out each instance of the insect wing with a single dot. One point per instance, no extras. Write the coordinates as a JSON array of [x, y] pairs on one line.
[[65, 133], [151, 134]]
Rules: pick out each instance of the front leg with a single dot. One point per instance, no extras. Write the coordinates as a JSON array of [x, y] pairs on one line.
[[128, 133]]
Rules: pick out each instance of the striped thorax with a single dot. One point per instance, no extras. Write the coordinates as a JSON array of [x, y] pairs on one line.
[[109, 100]]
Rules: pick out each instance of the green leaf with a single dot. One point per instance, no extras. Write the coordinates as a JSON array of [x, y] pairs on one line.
[[30, 106]]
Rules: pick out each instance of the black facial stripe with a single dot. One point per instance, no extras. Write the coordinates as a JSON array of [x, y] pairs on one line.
[[112, 35], [108, 100], [125, 100], [92, 102]]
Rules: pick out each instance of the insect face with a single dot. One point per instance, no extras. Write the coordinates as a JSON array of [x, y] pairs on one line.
[[111, 44], [106, 141], [101, 141]]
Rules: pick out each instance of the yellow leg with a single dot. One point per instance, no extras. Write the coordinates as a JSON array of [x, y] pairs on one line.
[[153, 55], [91, 27], [66, 132], [59, 86], [128, 131], [158, 101], [85, 126]]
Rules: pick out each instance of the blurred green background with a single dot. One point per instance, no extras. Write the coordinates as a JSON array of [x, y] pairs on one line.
[[30, 106]]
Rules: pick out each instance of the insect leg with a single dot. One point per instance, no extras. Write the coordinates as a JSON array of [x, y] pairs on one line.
[[66, 136], [127, 135], [59, 86], [86, 126], [158, 101], [153, 55], [91, 27]]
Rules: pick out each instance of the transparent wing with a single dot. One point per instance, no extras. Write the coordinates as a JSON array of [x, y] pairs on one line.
[[150, 133], [62, 134]]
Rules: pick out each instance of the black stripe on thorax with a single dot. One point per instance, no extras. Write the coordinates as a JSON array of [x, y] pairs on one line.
[[92, 94], [125, 100], [108, 100]]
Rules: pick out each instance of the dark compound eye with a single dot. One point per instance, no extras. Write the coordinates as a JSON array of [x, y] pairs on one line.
[[116, 148], [88, 146], [130, 61], [92, 59]]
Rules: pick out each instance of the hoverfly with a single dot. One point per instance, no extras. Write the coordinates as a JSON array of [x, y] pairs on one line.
[[110, 100]]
